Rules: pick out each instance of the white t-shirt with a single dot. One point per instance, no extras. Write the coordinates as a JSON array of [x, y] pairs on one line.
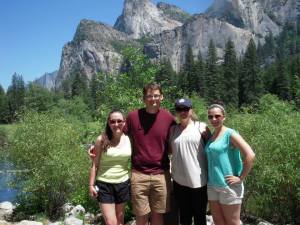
[[188, 162]]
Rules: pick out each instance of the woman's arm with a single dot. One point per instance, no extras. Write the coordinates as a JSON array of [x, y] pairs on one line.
[[95, 166], [248, 157], [206, 135]]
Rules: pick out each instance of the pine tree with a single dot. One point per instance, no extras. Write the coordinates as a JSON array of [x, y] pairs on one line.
[[3, 105], [283, 83], [251, 84], [15, 96], [230, 73], [166, 76], [200, 72], [97, 87], [213, 79], [190, 73], [78, 85], [38, 98]]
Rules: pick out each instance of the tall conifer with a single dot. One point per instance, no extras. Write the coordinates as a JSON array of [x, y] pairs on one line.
[[251, 84], [230, 73], [15, 95], [200, 73], [283, 82], [213, 78]]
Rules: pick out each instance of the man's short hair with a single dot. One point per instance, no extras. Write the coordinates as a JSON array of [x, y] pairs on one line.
[[151, 86]]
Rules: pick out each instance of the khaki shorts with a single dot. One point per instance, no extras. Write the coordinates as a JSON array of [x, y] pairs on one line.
[[230, 195], [150, 193]]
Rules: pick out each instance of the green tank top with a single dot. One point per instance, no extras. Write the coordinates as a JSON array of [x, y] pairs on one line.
[[222, 160], [114, 163]]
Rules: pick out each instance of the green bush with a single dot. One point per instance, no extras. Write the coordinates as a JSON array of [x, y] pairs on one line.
[[48, 149], [3, 137], [272, 188]]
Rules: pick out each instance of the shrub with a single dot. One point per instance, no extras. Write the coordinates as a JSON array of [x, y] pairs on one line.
[[272, 188], [48, 148]]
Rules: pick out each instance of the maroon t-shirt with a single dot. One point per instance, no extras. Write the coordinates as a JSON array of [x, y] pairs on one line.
[[149, 134]]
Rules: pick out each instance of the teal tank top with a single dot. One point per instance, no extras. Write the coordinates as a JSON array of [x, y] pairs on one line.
[[222, 159]]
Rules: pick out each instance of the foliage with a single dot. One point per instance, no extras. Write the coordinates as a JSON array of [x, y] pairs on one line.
[[74, 108], [3, 106], [3, 138], [15, 97], [230, 74], [48, 148], [38, 98], [272, 188], [251, 83], [213, 81]]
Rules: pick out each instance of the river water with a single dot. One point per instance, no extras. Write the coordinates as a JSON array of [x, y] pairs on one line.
[[6, 192]]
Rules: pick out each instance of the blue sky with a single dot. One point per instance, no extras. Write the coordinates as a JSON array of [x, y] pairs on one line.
[[33, 32]]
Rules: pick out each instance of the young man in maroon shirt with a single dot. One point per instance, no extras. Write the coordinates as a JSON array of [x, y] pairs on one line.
[[150, 181], [148, 129]]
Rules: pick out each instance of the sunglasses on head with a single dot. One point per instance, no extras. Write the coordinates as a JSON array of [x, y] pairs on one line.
[[116, 121], [210, 117], [182, 109]]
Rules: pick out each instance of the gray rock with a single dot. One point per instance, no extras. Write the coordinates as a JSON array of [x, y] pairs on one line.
[[133, 222], [95, 48], [3, 222], [197, 34], [73, 221], [47, 80], [67, 208], [55, 223], [6, 210], [6, 205], [142, 17], [264, 223], [247, 14], [209, 220], [77, 211], [29, 222]]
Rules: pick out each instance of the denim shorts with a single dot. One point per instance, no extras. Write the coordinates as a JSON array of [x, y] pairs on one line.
[[229, 195], [113, 193]]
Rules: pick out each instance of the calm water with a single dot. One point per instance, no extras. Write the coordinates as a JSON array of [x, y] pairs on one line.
[[6, 193]]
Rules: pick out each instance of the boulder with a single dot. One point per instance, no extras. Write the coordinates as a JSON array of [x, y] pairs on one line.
[[29, 222], [3, 222], [73, 221], [6, 209]]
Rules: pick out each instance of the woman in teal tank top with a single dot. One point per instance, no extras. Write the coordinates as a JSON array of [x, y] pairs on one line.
[[226, 170], [109, 174]]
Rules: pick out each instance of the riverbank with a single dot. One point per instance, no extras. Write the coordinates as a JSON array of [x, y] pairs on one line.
[[77, 215]]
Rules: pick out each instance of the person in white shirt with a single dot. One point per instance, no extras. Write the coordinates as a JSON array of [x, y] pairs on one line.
[[188, 164]]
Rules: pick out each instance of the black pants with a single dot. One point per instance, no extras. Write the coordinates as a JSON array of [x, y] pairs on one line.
[[192, 202]]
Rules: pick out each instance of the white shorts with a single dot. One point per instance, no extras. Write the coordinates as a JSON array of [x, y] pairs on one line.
[[230, 195]]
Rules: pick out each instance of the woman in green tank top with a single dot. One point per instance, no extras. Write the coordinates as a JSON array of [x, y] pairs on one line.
[[226, 170], [109, 174]]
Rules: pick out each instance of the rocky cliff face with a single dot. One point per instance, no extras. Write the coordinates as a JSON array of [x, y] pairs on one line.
[[47, 80], [197, 34], [282, 11], [247, 14], [142, 17], [95, 48]]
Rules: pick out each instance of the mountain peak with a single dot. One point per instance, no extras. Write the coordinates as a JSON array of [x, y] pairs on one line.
[[142, 17]]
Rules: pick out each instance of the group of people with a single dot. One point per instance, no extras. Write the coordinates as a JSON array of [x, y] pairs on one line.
[[131, 160]]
